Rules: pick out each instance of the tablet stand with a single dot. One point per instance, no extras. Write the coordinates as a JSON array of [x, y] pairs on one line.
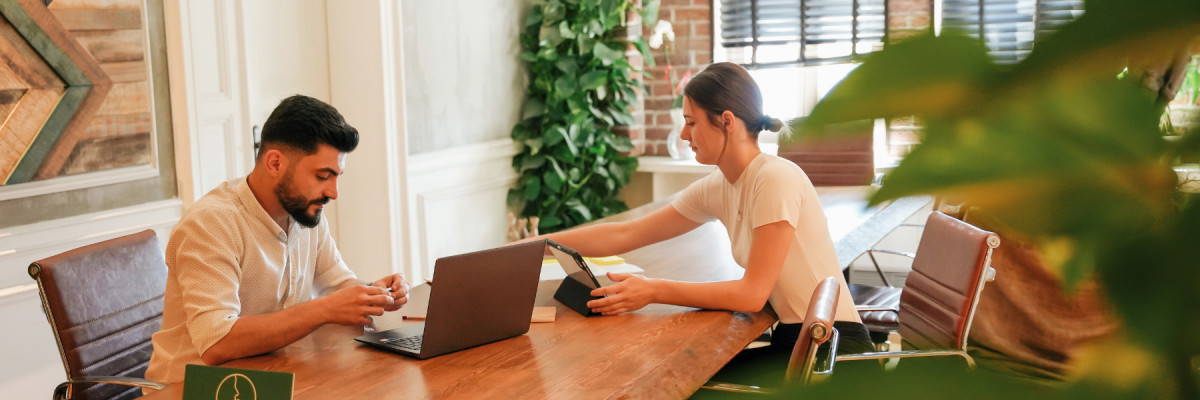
[[576, 296]]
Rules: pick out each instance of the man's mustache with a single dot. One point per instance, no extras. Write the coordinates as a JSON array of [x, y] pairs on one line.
[[321, 201]]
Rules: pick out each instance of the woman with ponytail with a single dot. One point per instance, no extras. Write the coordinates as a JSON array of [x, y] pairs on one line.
[[769, 207]]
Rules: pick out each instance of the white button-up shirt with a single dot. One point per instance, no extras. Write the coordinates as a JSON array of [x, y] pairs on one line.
[[227, 258]]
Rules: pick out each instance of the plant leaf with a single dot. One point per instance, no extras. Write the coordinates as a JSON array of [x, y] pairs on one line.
[[593, 79], [942, 75], [549, 221], [565, 86], [619, 143], [553, 180], [532, 108], [550, 36], [607, 54], [650, 13], [644, 48], [564, 30], [567, 65], [532, 162], [533, 186], [534, 145]]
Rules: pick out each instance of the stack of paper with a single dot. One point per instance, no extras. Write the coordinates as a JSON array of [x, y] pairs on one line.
[[600, 266]]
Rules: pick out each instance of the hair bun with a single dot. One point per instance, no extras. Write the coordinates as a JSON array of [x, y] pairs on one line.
[[771, 124]]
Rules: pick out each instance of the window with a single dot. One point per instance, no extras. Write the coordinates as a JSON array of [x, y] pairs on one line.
[[788, 33], [1009, 27]]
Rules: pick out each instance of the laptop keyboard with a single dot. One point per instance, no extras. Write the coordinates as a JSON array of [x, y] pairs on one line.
[[411, 343]]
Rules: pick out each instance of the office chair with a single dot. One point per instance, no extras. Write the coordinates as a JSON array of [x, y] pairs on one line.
[[934, 311], [818, 329], [104, 301]]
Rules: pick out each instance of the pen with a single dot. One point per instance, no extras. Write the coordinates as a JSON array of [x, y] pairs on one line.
[[429, 282], [412, 318]]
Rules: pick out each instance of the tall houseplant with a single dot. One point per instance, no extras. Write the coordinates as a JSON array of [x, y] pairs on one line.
[[581, 86]]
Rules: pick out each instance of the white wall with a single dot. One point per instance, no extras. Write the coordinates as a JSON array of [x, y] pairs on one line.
[[458, 197], [465, 84], [287, 53]]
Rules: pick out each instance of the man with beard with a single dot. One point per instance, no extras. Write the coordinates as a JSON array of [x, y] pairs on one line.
[[252, 266]]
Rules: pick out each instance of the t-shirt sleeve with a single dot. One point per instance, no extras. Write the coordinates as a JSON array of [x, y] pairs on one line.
[[331, 269], [778, 196], [209, 276], [694, 202]]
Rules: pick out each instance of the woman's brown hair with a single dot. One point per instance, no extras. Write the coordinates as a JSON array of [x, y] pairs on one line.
[[727, 86]]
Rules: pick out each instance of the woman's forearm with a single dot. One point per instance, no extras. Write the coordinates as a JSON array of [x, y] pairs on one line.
[[729, 295], [596, 240]]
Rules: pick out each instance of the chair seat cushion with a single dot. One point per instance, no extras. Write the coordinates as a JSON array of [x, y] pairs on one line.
[[877, 296]]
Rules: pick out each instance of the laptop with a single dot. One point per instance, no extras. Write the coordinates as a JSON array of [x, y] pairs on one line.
[[476, 298]]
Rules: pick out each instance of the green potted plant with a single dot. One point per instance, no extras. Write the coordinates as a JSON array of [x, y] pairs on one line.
[[571, 164]]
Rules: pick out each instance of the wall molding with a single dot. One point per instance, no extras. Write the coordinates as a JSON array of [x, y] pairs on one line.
[[462, 155], [81, 181], [459, 175], [24, 244]]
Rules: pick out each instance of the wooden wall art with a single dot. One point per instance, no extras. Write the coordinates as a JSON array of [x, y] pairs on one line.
[[75, 90]]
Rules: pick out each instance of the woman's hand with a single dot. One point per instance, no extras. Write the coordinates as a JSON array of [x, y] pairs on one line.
[[632, 292]]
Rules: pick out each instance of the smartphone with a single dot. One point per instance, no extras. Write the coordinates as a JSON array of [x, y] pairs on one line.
[[573, 263]]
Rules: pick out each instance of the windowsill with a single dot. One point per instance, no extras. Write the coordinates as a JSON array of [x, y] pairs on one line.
[[663, 164]]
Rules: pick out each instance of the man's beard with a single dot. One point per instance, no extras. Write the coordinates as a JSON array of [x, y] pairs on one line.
[[296, 204]]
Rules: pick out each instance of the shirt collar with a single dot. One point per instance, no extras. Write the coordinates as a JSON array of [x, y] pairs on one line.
[[753, 166], [255, 211]]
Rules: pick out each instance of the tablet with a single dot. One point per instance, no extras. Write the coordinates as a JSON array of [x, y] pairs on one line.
[[573, 263]]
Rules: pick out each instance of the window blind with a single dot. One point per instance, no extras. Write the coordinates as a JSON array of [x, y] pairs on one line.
[[778, 33], [1054, 13], [1009, 27]]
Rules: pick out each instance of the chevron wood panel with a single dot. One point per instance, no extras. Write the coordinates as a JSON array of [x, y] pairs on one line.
[[23, 69], [99, 115]]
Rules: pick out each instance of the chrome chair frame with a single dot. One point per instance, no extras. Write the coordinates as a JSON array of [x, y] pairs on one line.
[[988, 275], [871, 254]]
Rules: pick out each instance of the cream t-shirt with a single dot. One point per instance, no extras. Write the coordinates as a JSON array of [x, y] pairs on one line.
[[772, 189], [227, 259]]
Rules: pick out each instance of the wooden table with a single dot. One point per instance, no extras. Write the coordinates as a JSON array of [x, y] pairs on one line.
[[658, 352]]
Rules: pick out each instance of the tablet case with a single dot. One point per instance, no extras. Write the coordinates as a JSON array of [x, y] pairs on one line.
[[575, 295]]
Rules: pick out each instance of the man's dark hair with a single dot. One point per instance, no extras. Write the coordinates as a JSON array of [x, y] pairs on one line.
[[302, 123]]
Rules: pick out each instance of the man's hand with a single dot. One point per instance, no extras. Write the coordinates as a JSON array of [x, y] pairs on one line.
[[399, 288], [353, 305]]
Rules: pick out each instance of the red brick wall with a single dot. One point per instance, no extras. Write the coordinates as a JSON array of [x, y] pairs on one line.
[[691, 50], [906, 18]]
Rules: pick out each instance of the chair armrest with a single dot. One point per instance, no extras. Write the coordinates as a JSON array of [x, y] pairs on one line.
[[866, 308], [733, 387], [63, 389]]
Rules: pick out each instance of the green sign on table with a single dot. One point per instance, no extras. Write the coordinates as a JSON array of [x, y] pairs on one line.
[[202, 382]]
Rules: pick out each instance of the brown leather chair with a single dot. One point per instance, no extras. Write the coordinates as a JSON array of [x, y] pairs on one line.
[[818, 329], [104, 301], [933, 312]]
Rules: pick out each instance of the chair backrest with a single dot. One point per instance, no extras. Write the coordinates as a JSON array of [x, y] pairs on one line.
[[941, 292], [104, 301], [817, 329]]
